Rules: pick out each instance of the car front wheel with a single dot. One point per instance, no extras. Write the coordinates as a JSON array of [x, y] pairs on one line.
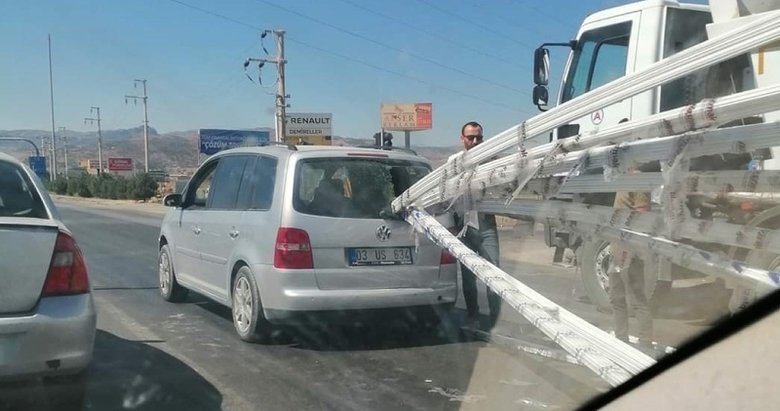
[[170, 289]]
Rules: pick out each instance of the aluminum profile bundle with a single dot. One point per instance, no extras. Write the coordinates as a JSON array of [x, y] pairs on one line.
[[608, 357], [642, 232], [716, 141]]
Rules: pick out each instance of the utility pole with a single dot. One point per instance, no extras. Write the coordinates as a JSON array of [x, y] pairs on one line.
[[53, 136], [144, 98], [64, 148], [46, 148], [92, 120], [281, 96]]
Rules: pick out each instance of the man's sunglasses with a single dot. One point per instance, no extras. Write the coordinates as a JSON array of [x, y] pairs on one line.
[[478, 137]]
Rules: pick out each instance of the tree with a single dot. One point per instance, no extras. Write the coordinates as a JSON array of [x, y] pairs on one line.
[[142, 186]]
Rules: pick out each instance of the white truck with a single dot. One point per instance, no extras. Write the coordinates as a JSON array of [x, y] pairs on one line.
[[626, 39]]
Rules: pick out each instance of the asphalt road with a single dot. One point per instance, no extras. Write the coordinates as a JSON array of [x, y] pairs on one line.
[[151, 354]]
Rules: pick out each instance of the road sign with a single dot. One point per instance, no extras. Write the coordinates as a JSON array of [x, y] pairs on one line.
[[38, 166], [407, 117], [212, 141], [120, 164], [312, 128]]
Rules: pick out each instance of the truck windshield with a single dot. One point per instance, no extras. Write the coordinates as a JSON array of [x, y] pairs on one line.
[[599, 58], [686, 28]]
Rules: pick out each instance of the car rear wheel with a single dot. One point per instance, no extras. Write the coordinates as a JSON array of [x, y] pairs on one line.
[[248, 318], [170, 289]]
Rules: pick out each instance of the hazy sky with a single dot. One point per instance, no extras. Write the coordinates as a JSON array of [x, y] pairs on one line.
[[471, 58]]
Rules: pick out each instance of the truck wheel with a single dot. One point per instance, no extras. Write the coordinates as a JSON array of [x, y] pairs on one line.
[[741, 297], [594, 262]]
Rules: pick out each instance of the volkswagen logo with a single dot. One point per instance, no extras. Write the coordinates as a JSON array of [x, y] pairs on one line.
[[383, 233]]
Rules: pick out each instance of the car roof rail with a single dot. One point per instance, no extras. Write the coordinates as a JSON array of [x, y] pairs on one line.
[[290, 147], [405, 150]]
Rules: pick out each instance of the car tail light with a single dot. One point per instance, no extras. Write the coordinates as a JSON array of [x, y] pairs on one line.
[[446, 257], [67, 271], [293, 249]]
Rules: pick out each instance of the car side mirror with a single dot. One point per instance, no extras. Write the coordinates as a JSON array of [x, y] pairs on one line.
[[541, 66], [172, 200], [540, 96]]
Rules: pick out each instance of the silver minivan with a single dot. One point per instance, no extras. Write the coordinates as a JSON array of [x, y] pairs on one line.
[[278, 231]]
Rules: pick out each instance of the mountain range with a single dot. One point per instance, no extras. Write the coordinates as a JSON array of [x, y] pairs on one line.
[[175, 152]]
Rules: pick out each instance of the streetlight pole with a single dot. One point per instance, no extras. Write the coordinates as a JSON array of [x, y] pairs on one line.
[[53, 136]]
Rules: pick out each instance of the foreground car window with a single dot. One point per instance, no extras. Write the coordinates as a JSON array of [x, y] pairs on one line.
[[352, 188], [18, 197]]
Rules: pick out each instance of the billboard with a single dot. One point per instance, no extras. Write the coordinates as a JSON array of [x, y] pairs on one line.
[[308, 128], [90, 164], [212, 141], [120, 164], [407, 117]]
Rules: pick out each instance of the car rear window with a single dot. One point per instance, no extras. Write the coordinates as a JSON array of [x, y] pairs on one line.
[[18, 196], [352, 187]]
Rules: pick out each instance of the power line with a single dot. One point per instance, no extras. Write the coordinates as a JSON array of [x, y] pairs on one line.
[[471, 22], [429, 33], [399, 74], [552, 16], [355, 60], [391, 47], [479, 6]]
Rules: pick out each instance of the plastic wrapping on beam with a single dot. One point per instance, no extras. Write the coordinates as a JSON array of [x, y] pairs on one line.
[[758, 181], [610, 358], [743, 38], [618, 225], [727, 140]]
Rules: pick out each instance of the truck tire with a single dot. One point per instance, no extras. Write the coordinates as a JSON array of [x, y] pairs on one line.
[[593, 261], [742, 296]]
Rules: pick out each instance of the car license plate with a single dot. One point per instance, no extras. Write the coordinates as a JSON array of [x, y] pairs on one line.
[[380, 256]]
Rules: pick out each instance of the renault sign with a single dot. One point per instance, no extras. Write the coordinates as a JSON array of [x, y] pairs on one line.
[[308, 128]]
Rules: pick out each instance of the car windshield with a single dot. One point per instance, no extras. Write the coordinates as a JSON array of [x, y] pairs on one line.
[[352, 187], [357, 205]]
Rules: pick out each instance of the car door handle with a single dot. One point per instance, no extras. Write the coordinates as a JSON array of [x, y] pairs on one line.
[[196, 229], [234, 233]]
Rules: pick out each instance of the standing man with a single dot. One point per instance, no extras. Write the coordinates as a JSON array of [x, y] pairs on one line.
[[627, 275], [481, 235]]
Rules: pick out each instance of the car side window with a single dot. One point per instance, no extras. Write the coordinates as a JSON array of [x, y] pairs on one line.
[[265, 174], [227, 181], [247, 186], [199, 189]]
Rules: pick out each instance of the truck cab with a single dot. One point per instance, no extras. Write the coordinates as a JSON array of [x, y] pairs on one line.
[[621, 40]]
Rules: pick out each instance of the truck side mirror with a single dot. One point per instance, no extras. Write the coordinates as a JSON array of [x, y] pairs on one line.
[[540, 96], [541, 66]]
